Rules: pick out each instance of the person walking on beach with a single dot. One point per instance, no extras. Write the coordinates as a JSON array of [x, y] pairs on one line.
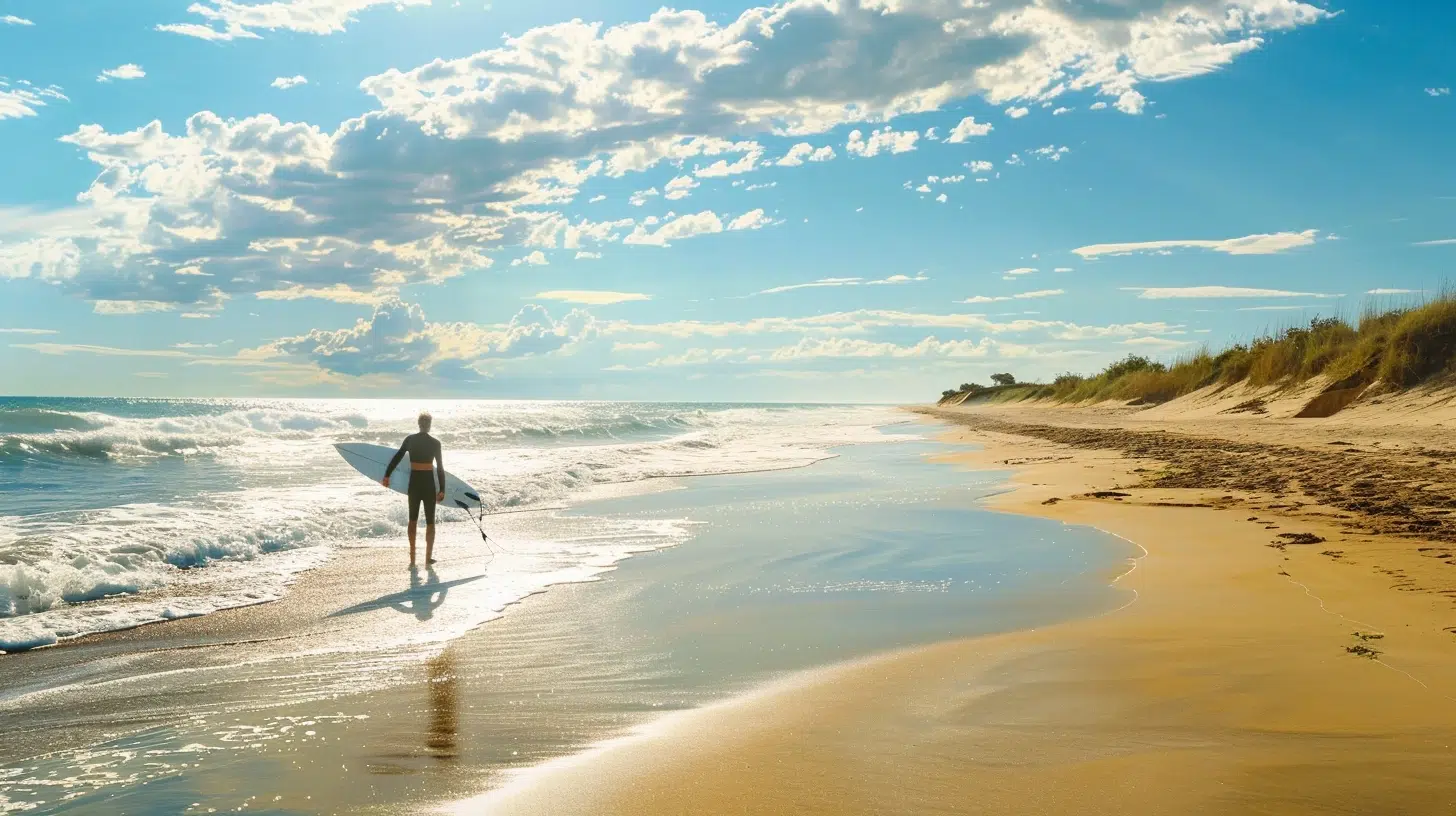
[[425, 455]]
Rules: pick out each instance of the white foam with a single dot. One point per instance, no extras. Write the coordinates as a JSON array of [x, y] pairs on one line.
[[72, 573]]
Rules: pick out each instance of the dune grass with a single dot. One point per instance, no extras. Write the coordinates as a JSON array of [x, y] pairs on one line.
[[1402, 348]]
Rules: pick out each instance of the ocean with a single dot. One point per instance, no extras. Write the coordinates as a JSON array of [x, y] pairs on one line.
[[120, 512], [644, 558]]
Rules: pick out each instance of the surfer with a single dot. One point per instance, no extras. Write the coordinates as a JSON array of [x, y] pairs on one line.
[[425, 455]]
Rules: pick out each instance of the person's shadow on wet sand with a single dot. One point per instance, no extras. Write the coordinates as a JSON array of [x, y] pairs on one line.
[[420, 600]]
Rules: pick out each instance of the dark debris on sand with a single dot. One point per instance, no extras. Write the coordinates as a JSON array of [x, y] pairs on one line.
[[1387, 492]]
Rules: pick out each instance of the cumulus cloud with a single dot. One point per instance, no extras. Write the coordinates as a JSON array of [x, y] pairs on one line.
[[1164, 293], [284, 83], [230, 20], [967, 128], [397, 339], [11, 19], [678, 188], [980, 166], [802, 152], [884, 139], [537, 258], [468, 157], [127, 71], [1017, 113], [591, 297], [1013, 274], [1438, 91], [1264, 244]]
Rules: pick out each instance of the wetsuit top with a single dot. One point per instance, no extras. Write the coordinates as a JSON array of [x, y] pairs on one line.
[[421, 448]]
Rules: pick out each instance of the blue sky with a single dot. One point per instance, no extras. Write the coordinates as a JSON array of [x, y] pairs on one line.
[[858, 200]]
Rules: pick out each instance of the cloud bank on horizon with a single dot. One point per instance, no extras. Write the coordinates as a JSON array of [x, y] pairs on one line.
[[622, 160]]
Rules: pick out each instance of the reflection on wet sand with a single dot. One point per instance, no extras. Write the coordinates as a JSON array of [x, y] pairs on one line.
[[444, 715]]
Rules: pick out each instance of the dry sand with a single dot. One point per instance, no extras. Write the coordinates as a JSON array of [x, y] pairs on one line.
[[1228, 684]]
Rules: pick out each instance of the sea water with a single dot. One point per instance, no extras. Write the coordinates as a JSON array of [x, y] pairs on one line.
[[370, 687], [120, 512]]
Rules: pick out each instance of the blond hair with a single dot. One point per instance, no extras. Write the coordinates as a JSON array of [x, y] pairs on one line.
[[425, 420]]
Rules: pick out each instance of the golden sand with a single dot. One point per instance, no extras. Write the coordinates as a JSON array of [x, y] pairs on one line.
[[1228, 683]]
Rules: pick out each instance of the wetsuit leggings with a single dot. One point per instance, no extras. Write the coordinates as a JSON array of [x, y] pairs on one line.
[[422, 491]]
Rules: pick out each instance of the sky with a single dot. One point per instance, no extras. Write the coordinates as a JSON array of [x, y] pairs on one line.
[[820, 200]]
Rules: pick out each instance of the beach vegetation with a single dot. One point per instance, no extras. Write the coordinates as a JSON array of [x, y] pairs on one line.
[[1398, 348]]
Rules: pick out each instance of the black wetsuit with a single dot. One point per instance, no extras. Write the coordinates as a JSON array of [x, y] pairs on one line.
[[421, 448]]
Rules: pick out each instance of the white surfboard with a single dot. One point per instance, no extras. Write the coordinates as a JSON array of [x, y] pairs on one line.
[[371, 460]]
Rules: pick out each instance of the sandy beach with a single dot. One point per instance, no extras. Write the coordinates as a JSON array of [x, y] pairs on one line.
[[1291, 646]]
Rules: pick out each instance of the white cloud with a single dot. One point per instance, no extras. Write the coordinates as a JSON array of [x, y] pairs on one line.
[[980, 166], [897, 279], [812, 285], [813, 347], [892, 280], [22, 98], [967, 128], [1391, 292], [746, 163], [1017, 113], [884, 139], [1051, 152], [337, 293], [1155, 342], [396, 196], [1064, 269], [1098, 106], [803, 151], [127, 71], [686, 226], [11, 19], [679, 188], [537, 258], [649, 345], [1438, 91], [1061, 111], [1011, 274], [28, 331], [1264, 244], [751, 220], [942, 198], [1130, 102], [1442, 242], [591, 297], [284, 83], [1015, 160], [397, 340], [584, 255], [1040, 293], [640, 197], [231, 20], [594, 199], [1164, 293]]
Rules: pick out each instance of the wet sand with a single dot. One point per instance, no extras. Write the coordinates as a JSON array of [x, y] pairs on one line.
[[1253, 673], [295, 707]]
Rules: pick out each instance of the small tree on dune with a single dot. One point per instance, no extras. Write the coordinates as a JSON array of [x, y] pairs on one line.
[[1003, 379]]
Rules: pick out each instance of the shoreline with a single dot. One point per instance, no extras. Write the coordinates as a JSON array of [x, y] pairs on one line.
[[786, 571], [1233, 681]]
